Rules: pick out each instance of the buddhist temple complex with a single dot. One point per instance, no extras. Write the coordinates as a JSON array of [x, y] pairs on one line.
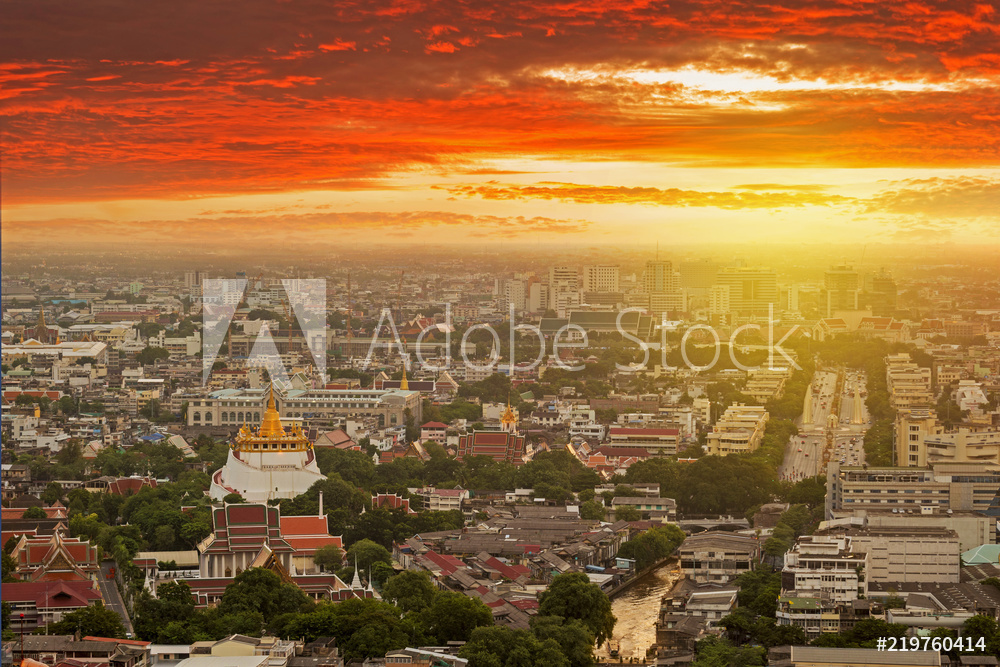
[[267, 462]]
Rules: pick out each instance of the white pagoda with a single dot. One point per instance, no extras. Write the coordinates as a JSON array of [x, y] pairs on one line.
[[267, 462]]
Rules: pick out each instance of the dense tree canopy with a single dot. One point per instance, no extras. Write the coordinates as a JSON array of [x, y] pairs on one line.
[[573, 596]]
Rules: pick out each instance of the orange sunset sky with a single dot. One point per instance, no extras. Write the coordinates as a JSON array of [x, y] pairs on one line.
[[586, 122]]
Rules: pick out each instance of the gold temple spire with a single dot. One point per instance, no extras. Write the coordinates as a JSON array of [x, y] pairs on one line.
[[271, 435], [270, 427], [404, 384]]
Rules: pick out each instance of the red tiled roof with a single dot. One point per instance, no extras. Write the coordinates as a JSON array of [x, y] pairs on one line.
[[13, 394], [292, 526], [525, 605], [9, 513], [447, 564], [434, 425], [51, 594], [314, 542]]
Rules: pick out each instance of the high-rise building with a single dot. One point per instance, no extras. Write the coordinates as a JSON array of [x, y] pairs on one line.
[[908, 384], [718, 300], [751, 289], [601, 278], [789, 298], [699, 274], [538, 297], [842, 289], [192, 278], [564, 279], [564, 289], [880, 293], [660, 277], [515, 294]]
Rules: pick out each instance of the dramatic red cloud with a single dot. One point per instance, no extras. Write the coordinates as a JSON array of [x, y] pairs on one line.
[[150, 99]]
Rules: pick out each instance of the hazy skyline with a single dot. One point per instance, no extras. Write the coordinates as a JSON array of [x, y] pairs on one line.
[[604, 124]]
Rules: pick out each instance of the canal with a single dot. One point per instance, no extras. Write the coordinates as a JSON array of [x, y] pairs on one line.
[[636, 610]]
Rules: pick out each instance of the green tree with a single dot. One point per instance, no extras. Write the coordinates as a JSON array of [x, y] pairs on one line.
[[502, 647], [96, 620], [150, 355], [365, 553], [410, 590], [364, 628], [453, 617], [35, 512], [261, 591], [67, 405], [627, 513], [53, 492], [573, 596], [9, 568], [592, 511], [653, 545], [715, 652], [329, 557], [575, 640]]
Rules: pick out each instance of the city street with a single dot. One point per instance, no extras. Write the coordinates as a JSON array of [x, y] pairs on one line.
[[111, 595], [804, 453]]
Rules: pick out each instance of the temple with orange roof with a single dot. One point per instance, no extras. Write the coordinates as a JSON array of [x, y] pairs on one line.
[[55, 558]]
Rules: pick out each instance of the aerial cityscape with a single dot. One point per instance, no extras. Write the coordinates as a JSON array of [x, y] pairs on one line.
[[528, 335]]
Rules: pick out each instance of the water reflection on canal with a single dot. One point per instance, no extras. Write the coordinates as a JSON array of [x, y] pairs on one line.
[[636, 610]]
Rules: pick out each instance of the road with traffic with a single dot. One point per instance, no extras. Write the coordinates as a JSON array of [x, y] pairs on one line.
[[804, 454]]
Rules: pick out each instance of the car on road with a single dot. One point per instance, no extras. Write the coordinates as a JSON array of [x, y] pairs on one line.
[[800, 449]]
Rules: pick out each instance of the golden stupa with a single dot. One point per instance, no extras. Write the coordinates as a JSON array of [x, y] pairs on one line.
[[508, 420], [271, 435]]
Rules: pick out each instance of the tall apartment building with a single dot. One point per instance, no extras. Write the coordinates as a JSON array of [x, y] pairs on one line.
[[656, 441], [668, 302], [739, 430], [718, 300], [660, 277], [911, 427], [825, 567], [752, 290], [601, 278], [842, 289], [538, 297], [940, 487], [908, 384], [880, 294], [564, 289], [515, 293], [564, 279], [716, 557], [662, 283]]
